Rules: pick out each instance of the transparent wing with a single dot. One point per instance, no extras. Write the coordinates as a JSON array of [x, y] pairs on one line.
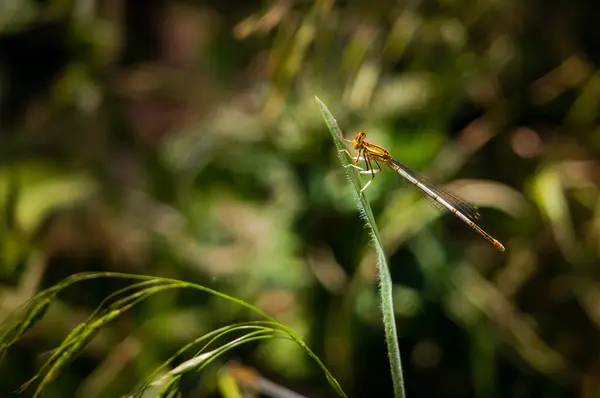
[[465, 207]]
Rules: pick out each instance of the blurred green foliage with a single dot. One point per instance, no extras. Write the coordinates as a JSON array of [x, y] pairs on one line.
[[182, 139]]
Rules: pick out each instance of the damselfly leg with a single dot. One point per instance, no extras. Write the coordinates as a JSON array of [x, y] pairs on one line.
[[368, 170]]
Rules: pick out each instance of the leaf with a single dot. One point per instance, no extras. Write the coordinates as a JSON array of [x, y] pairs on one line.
[[115, 304], [385, 279]]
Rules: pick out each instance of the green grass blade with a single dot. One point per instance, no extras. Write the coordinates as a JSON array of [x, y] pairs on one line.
[[116, 304], [385, 279]]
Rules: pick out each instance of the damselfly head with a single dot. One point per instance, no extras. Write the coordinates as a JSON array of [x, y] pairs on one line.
[[358, 140]]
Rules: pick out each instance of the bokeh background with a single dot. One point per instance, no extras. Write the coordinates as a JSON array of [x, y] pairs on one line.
[[182, 139]]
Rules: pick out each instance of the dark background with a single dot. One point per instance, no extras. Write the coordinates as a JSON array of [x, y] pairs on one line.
[[182, 139]]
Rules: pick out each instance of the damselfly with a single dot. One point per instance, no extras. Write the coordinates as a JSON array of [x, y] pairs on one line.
[[440, 198]]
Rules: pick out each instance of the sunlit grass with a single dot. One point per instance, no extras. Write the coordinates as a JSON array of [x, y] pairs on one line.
[[385, 279], [207, 347]]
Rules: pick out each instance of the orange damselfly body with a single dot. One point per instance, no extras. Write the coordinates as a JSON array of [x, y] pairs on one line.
[[439, 198]]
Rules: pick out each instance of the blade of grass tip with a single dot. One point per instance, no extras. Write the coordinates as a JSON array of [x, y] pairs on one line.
[[338, 139], [385, 279]]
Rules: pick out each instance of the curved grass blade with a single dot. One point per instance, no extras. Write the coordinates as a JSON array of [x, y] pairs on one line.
[[115, 305], [385, 279]]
